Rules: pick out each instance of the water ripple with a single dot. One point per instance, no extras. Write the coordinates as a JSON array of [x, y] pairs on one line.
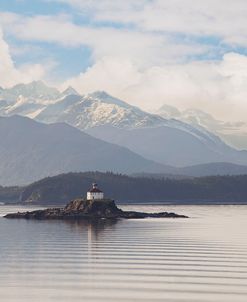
[[194, 260]]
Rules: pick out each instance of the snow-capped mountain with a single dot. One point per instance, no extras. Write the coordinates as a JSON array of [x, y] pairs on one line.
[[69, 91], [23, 106], [30, 99], [47, 104], [163, 139], [100, 109], [36, 91], [97, 109], [194, 117], [233, 133]]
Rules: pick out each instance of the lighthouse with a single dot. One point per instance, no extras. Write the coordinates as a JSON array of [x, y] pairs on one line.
[[95, 193]]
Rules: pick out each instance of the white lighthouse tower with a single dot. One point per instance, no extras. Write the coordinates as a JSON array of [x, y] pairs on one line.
[[95, 193]]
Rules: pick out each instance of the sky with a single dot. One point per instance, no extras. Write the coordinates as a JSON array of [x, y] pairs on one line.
[[185, 53]]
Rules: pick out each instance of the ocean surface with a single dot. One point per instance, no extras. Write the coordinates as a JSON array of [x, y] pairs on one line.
[[200, 259]]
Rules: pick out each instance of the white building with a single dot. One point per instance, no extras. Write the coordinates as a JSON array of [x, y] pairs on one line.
[[95, 193]]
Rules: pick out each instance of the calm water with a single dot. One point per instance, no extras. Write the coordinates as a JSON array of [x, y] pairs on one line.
[[199, 259]]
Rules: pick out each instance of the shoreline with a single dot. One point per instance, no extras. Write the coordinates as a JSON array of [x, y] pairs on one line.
[[81, 209], [165, 203]]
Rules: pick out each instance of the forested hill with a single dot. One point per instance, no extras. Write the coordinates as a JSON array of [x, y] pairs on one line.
[[65, 187]]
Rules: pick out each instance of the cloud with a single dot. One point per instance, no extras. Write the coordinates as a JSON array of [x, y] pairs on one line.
[[217, 87], [11, 75], [187, 17], [183, 53], [141, 47]]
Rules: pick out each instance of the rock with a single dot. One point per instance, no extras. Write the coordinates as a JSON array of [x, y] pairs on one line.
[[90, 209]]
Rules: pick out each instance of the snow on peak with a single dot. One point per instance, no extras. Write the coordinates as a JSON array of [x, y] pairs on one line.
[[97, 109], [103, 96], [168, 111], [47, 104], [69, 91], [36, 90]]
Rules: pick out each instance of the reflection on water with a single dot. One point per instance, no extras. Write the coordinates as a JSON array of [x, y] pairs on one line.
[[203, 258]]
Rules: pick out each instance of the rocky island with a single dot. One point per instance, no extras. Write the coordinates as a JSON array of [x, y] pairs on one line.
[[82, 209]]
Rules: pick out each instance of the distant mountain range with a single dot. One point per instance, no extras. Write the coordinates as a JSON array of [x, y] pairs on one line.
[[211, 169], [155, 143], [36, 91], [234, 133], [172, 145], [30, 151]]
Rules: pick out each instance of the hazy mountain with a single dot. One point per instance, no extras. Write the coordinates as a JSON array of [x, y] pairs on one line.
[[166, 140], [233, 133], [36, 90], [161, 175], [195, 117], [47, 104], [113, 120], [170, 145], [169, 112], [30, 150], [211, 169], [214, 169], [69, 91]]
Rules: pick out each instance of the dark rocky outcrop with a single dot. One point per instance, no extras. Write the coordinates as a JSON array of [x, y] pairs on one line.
[[89, 209]]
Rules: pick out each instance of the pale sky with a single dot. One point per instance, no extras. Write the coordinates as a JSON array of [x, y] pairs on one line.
[[185, 53]]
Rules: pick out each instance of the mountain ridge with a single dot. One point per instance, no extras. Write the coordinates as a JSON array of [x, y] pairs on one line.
[[233, 133], [208, 190], [32, 150], [168, 141]]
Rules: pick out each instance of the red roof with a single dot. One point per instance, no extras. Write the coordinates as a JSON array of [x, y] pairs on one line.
[[95, 190]]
